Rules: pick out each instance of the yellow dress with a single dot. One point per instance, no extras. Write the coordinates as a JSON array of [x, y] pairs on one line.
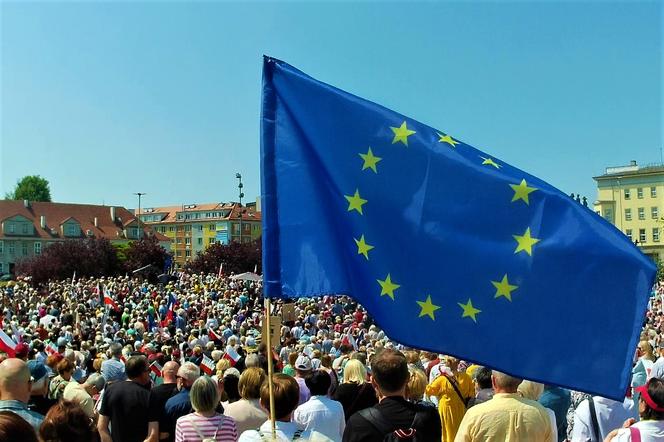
[[450, 407]]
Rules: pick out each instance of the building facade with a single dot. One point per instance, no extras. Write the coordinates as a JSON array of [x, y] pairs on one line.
[[192, 228], [632, 198], [29, 226]]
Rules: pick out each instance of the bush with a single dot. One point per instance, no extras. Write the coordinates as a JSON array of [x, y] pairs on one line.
[[236, 257]]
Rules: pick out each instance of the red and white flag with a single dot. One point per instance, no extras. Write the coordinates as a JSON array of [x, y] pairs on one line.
[[207, 365], [221, 268], [214, 335], [232, 355], [51, 349], [156, 368], [123, 359], [7, 345], [349, 340], [168, 318], [109, 301]]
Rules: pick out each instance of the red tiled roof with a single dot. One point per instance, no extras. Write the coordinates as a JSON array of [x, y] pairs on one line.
[[172, 211], [57, 213]]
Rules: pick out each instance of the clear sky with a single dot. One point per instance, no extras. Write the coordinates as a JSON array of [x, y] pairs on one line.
[[107, 99]]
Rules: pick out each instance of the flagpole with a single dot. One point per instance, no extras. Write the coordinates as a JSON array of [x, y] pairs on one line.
[[270, 368]]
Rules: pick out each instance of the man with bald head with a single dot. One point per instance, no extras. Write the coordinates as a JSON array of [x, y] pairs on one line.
[[158, 397], [15, 385]]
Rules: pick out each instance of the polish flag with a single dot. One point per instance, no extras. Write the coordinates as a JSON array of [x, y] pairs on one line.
[[168, 318], [7, 345], [156, 368], [207, 365], [51, 349], [349, 340], [221, 268], [214, 336], [109, 301], [232, 356]]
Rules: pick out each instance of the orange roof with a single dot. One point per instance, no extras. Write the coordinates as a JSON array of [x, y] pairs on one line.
[[57, 213], [170, 212]]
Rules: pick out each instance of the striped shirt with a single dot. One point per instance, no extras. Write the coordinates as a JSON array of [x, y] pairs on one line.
[[194, 427]]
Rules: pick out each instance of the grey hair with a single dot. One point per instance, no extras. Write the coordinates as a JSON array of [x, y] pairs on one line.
[[506, 381], [115, 349], [96, 380], [204, 394], [189, 371], [252, 360]]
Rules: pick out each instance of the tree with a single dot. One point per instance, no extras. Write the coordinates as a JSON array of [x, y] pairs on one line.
[[145, 252], [31, 187], [236, 257]]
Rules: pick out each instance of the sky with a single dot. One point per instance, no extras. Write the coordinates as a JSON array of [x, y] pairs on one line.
[[108, 99]]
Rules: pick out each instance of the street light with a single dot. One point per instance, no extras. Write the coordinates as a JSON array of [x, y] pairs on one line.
[[239, 186], [140, 194]]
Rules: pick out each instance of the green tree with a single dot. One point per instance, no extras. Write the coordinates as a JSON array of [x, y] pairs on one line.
[[31, 187]]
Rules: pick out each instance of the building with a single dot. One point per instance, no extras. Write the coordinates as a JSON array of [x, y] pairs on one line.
[[30, 226], [632, 198], [192, 228]]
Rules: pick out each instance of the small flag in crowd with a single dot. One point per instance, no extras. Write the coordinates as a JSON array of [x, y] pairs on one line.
[[7, 344], [232, 355], [108, 300], [214, 335], [156, 368], [207, 365], [51, 348], [221, 268], [349, 340], [449, 248]]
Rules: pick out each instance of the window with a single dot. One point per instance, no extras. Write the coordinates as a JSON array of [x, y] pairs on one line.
[[2, 247], [639, 193], [200, 227], [11, 228], [37, 248], [24, 228], [628, 232], [642, 213], [24, 249], [608, 214], [0, 268], [655, 234], [627, 195], [199, 241], [187, 253], [178, 253], [179, 229], [628, 214], [653, 192], [171, 228], [211, 240], [236, 229], [71, 230], [187, 241], [187, 228], [212, 227], [654, 213], [642, 235], [12, 249], [178, 240]]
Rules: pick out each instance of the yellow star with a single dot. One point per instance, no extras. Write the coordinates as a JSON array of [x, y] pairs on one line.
[[521, 191], [447, 139], [504, 288], [370, 161], [362, 247], [387, 287], [490, 162], [355, 202], [427, 308], [401, 133], [525, 242], [469, 311]]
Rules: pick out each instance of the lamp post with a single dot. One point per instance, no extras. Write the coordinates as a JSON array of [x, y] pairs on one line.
[[140, 194], [239, 187]]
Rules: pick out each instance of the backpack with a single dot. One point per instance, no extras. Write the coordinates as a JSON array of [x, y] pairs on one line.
[[385, 427]]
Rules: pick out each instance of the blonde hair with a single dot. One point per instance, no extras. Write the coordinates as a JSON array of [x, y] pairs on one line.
[[417, 384], [354, 372], [250, 383], [222, 366]]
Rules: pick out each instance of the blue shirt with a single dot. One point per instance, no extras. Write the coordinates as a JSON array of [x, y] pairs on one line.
[[176, 407], [21, 408], [113, 370], [559, 400]]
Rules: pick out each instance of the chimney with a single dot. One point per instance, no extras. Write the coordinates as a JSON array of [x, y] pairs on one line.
[[26, 204], [113, 219], [42, 221], [96, 222]]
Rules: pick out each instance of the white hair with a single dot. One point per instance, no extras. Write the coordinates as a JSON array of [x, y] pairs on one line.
[[189, 371]]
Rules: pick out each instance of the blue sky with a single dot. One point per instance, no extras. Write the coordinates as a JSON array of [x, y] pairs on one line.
[[107, 99]]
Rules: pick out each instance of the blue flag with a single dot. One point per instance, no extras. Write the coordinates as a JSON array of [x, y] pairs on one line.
[[449, 248]]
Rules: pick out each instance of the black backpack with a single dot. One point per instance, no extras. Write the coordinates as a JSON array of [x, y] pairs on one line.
[[385, 427]]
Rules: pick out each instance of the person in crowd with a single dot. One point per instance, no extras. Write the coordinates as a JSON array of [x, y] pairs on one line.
[[483, 387], [651, 411], [417, 385], [83, 394], [606, 413], [247, 411], [355, 393], [125, 405], [453, 391], [157, 402], [231, 382], [113, 369], [289, 368], [507, 416], [643, 366], [15, 391], [321, 413], [67, 422], [326, 364], [393, 413], [180, 404], [558, 400], [286, 399], [14, 428], [39, 401], [205, 423], [303, 369], [657, 370], [65, 369]]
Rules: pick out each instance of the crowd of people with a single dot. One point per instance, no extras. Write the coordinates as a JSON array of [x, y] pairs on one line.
[[119, 359]]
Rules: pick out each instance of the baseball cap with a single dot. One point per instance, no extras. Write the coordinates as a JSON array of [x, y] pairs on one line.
[[37, 370], [21, 350], [303, 363]]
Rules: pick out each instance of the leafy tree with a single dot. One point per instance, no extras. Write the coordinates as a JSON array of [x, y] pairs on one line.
[[236, 257], [147, 251], [31, 187]]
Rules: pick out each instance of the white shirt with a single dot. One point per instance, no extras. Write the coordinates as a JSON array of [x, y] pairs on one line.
[[285, 432], [610, 415], [651, 431], [322, 414], [657, 370]]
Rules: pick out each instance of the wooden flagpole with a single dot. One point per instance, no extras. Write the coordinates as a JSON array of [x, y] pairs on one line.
[[270, 368]]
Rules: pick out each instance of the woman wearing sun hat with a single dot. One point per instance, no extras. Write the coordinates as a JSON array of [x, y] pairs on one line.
[[651, 410]]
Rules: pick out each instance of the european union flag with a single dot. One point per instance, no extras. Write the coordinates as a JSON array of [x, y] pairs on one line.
[[449, 248]]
